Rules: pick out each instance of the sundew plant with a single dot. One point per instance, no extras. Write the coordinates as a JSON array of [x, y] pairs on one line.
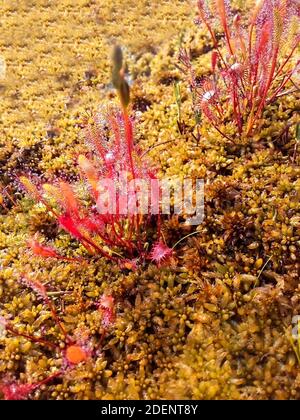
[[252, 66], [114, 229]]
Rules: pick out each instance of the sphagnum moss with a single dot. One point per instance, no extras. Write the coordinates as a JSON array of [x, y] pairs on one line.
[[229, 302]]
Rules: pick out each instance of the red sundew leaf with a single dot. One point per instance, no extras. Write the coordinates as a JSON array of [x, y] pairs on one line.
[[30, 188], [16, 391], [161, 253], [73, 227], [205, 108], [89, 172], [70, 225], [209, 96], [240, 39], [204, 12], [263, 40], [97, 225], [40, 250], [47, 252], [220, 6], [117, 134], [53, 192], [94, 139], [256, 10], [214, 60], [235, 71], [36, 286], [69, 199], [107, 308], [93, 224], [208, 90]]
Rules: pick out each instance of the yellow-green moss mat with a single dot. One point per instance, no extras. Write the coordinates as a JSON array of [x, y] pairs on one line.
[[219, 324]]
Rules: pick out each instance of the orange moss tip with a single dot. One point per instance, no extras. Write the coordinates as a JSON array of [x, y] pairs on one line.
[[129, 264], [75, 354]]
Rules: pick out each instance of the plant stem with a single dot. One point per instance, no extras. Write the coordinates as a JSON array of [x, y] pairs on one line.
[[182, 239]]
